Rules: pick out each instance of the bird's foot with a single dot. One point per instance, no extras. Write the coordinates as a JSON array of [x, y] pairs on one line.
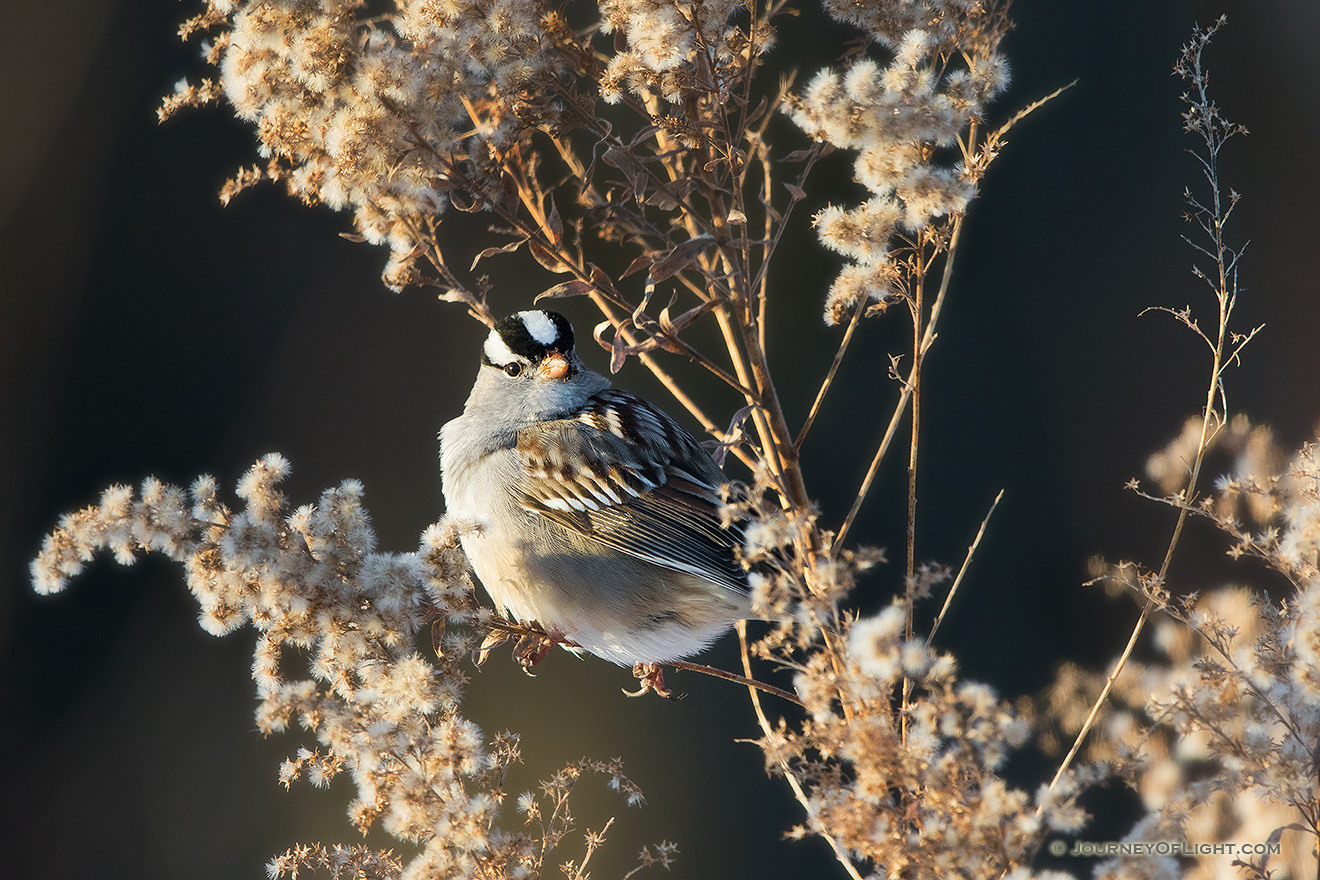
[[532, 648], [651, 678]]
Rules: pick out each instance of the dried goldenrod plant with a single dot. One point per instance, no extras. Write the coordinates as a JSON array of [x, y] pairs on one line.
[[1219, 733], [308, 580], [1217, 729], [587, 137]]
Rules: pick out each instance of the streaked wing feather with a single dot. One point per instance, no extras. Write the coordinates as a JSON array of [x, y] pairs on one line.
[[621, 472], [674, 534]]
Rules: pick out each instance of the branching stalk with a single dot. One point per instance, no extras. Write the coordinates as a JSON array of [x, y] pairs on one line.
[[1203, 118], [904, 392]]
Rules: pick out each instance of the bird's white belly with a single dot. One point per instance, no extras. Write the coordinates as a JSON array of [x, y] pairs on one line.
[[501, 565]]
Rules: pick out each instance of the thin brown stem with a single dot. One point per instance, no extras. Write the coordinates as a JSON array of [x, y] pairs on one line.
[[914, 381], [731, 339], [967, 560], [790, 467], [1186, 496], [829, 377], [905, 391], [794, 783], [1212, 219], [747, 681]]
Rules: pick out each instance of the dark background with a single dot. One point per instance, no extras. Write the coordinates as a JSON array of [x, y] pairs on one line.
[[144, 330]]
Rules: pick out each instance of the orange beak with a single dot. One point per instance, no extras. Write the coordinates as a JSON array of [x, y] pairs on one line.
[[553, 366]]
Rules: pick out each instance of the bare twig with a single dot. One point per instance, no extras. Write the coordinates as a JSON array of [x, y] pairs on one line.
[[829, 377], [747, 680], [794, 783], [967, 560], [928, 338]]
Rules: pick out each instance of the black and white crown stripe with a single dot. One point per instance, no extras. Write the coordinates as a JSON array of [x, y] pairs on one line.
[[527, 336]]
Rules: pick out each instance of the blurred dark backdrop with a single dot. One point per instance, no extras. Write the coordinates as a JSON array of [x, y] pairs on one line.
[[144, 330]]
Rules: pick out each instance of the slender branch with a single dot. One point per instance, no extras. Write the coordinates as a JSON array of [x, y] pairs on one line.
[[995, 139], [754, 399], [790, 466], [761, 280], [747, 680], [829, 377], [1211, 417], [1187, 494], [948, 600], [905, 391], [794, 783], [593, 843], [914, 383]]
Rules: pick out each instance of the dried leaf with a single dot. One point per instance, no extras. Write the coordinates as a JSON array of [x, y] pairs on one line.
[[702, 73], [618, 353], [631, 168], [438, 637], [600, 279], [492, 251], [798, 192], [565, 289], [546, 257], [643, 134], [492, 641], [477, 203], [616, 347], [751, 118], [733, 436], [555, 221], [638, 265], [680, 258], [662, 198], [676, 325]]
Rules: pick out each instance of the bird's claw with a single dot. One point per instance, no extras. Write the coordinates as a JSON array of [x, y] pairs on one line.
[[651, 678], [531, 649]]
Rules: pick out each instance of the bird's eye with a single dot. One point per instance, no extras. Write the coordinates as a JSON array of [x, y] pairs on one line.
[[513, 369]]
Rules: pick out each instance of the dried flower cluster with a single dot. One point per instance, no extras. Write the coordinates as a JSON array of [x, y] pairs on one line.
[[373, 114], [309, 581], [1217, 733], [911, 784], [669, 44], [904, 120], [898, 759], [396, 116]]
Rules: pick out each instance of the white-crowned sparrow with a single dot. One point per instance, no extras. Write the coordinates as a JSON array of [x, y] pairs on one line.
[[586, 509]]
